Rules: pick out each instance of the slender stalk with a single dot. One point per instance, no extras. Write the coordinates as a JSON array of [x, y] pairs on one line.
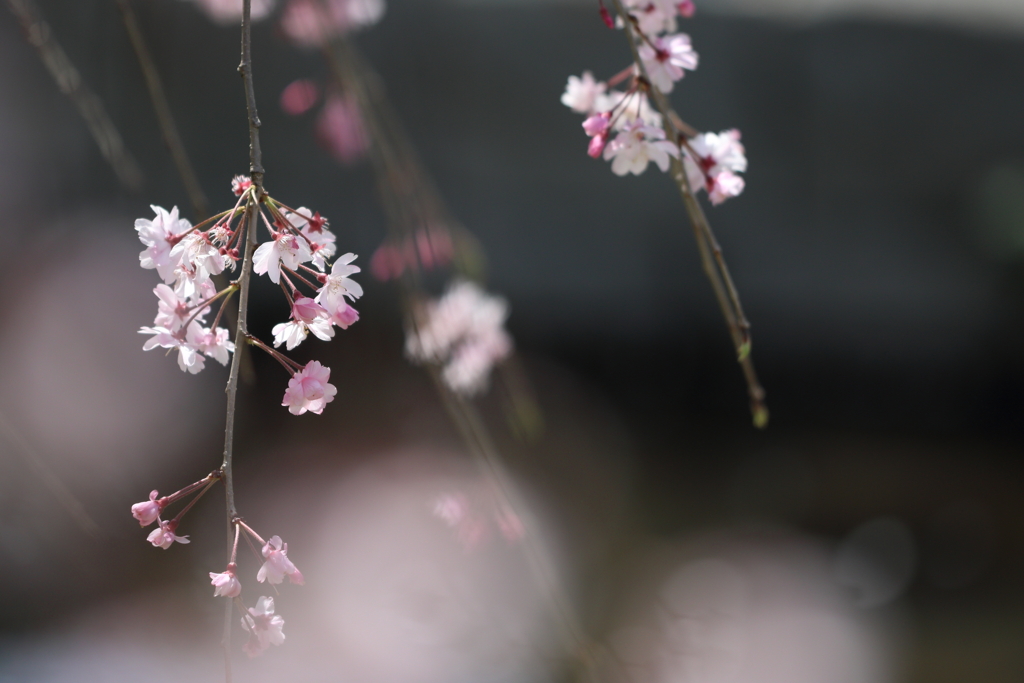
[[89, 105], [710, 252], [241, 329], [163, 112]]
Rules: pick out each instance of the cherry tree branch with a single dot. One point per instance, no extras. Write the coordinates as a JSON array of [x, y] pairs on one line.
[[241, 329], [710, 252]]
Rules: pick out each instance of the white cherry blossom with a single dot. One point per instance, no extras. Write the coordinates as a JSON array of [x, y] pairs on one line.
[[264, 627], [666, 59], [638, 145], [157, 234], [581, 94], [285, 248]]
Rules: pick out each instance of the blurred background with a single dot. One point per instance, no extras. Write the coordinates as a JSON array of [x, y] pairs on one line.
[[873, 533]]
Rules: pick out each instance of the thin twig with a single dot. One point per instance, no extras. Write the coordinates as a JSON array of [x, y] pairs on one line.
[[241, 330], [163, 112], [90, 107], [710, 252]]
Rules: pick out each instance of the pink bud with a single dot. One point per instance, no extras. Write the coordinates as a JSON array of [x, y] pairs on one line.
[[147, 512], [306, 310], [345, 317], [686, 8], [596, 145], [605, 16], [596, 124]]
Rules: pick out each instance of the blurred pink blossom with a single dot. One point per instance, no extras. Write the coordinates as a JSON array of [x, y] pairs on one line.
[[340, 129], [230, 11], [313, 22], [265, 628], [299, 96]]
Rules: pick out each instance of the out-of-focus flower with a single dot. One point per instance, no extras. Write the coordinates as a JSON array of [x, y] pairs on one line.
[[299, 96], [636, 146], [163, 536], [313, 22], [712, 162], [186, 341], [427, 248], [264, 627], [308, 389], [340, 129], [626, 108], [464, 332], [581, 93], [226, 583], [147, 511], [277, 565], [665, 58], [654, 16]]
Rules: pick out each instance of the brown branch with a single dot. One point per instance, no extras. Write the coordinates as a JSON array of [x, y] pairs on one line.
[[241, 330], [710, 252], [89, 105], [163, 112]]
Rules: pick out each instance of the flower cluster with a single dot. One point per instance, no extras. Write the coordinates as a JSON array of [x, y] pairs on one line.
[[263, 626], [463, 332], [188, 257], [623, 126]]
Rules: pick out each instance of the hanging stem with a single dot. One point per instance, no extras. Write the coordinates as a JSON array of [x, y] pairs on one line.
[[241, 329]]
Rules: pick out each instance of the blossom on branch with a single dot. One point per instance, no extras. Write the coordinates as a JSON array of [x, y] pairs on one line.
[[148, 511], [665, 58], [277, 565], [286, 248], [308, 389], [163, 536], [636, 146], [226, 583], [264, 627]]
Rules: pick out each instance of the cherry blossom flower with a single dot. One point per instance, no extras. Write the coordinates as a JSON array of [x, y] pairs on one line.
[[159, 235], [163, 536], [299, 96], [666, 59], [286, 248], [226, 583], [147, 511], [463, 331], [343, 317], [172, 311], [686, 9], [340, 129], [195, 259], [240, 184], [186, 341], [308, 389], [636, 146], [312, 226], [712, 162], [277, 565], [581, 94], [264, 627], [307, 316], [215, 344], [339, 285]]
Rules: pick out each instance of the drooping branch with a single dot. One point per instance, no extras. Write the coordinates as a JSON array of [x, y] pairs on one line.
[[711, 256]]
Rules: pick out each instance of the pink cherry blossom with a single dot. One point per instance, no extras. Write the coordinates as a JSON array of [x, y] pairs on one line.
[[724, 185], [318, 237], [654, 16], [340, 129], [581, 94], [186, 341], [666, 59], [299, 96], [464, 332], [286, 248], [343, 317], [686, 9], [626, 108], [195, 259], [339, 285], [307, 316], [264, 627], [226, 583], [636, 146], [147, 511], [309, 389], [277, 565], [215, 344], [712, 162], [172, 311], [159, 235], [240, 184], [163, 536]]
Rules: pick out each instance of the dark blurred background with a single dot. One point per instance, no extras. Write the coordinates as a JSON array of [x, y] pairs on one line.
[[878, 249]]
